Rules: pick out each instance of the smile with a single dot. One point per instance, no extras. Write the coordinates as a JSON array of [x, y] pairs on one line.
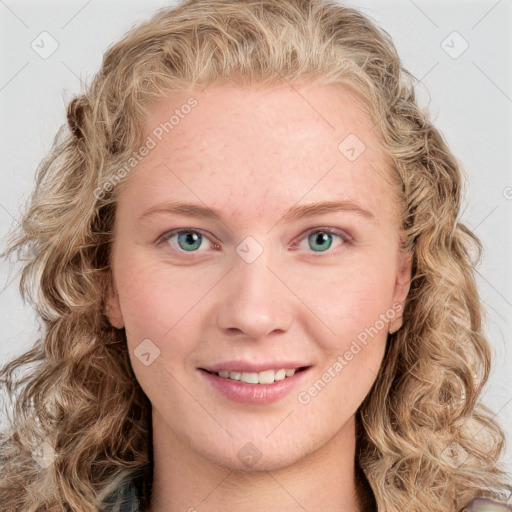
[[258, 388], [264, 377]]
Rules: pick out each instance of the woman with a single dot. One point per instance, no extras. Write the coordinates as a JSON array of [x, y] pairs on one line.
[[255, 287]]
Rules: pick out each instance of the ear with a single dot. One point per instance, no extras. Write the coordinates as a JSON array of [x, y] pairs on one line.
[[402, 286], [113, 309]]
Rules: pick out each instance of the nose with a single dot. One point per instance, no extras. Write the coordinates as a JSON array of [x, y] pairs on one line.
[[255, 300]]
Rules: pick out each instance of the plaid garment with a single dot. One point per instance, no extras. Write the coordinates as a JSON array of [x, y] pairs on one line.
[[125, 499]]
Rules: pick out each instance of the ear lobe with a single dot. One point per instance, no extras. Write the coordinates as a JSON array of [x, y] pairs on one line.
[[113, 309], [402, 286]]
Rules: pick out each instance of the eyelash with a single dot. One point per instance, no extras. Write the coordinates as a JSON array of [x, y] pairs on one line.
[[346, 239]]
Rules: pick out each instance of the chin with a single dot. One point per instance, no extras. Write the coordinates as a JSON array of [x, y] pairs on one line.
[[243, 455]]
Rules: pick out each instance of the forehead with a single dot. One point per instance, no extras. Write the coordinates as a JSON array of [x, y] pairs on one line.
[[263, 147], [287, 116]]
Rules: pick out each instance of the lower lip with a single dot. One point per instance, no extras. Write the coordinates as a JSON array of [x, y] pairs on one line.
[[260, 394]]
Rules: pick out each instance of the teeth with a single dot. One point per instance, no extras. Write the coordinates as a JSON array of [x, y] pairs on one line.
[[281, 374], [264, 377]]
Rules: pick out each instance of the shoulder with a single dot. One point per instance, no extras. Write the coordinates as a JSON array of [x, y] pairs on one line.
[[487, 505]]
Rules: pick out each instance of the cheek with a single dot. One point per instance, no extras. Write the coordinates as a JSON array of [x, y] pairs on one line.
[[154, 309], [357, 309], [149, 303], [160, 303], [349, 299]]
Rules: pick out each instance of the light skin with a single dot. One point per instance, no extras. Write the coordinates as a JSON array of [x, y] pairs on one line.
[[252, 154]]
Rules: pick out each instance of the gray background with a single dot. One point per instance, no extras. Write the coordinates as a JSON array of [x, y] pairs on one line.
[[468, 93]]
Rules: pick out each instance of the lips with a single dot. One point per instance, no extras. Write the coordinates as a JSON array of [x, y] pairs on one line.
[[251, 388]]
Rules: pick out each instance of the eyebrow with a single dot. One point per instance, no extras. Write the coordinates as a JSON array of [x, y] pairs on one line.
[[292, 214]]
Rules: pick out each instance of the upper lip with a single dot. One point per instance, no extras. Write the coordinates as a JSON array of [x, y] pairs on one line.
[[246, 366]]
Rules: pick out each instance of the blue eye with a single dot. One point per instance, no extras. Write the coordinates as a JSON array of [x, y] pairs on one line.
[[190, 240], [321, 239]]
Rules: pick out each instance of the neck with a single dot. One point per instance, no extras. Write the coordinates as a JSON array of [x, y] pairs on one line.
[[184, 480]]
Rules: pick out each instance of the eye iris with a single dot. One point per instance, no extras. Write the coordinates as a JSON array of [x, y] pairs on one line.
[[190, 238], [322, 237]]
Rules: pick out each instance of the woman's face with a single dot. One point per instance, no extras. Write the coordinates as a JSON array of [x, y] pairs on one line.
[[268, 281]]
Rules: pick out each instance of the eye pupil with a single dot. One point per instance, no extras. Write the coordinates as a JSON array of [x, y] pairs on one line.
[[321, 238], [189, 237]]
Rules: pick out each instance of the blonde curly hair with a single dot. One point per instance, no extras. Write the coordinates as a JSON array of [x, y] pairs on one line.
[[424, 439]]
